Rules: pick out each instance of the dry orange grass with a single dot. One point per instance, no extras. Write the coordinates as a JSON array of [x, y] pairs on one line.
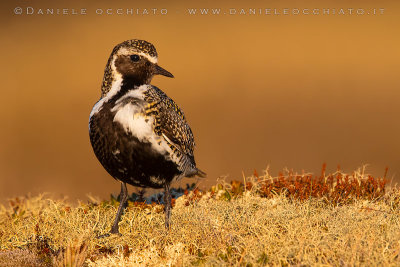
[[288, 220]]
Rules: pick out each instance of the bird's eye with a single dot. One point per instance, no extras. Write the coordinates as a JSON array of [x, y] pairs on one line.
[[135, 58]]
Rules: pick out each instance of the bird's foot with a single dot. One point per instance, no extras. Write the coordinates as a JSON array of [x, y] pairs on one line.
[[112, 232], [103, 236]]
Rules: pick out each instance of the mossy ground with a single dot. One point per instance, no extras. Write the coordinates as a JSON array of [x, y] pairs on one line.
[[288, 220]]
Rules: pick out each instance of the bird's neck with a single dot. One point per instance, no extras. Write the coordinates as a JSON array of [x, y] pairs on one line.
[[117, 84], [130, 83]]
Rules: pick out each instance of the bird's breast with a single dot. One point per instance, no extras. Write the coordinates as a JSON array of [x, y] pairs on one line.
[[134, 120], [131, 115]]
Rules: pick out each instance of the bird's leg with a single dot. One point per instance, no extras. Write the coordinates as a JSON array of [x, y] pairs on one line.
[[123, 197], [167, 205]]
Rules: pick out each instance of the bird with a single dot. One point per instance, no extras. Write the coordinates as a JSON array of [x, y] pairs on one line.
[[138, 133]]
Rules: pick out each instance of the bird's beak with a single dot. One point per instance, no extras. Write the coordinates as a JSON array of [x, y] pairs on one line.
[[162, 71]]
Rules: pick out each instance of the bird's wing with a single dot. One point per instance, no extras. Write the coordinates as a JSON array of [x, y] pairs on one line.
[[170, 122]]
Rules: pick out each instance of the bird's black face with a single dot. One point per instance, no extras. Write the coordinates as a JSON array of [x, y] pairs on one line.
[[138, 69]]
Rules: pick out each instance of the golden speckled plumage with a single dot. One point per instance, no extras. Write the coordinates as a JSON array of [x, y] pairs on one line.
[[170, 120]]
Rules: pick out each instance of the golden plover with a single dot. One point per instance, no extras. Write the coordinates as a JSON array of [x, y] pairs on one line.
[[137, 132]]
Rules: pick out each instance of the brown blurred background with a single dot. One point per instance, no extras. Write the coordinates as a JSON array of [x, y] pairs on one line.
[[286, 91]]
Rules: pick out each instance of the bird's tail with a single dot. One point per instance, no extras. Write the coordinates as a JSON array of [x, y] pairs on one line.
[[196, 172], [200, 173]]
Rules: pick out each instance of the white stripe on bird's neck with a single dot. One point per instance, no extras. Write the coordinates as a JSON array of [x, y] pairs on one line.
[[115, 88]]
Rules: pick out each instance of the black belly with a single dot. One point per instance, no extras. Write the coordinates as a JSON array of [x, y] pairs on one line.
[[126, 158]]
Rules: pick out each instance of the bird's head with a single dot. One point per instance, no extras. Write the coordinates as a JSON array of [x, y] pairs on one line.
[[135, 61]]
